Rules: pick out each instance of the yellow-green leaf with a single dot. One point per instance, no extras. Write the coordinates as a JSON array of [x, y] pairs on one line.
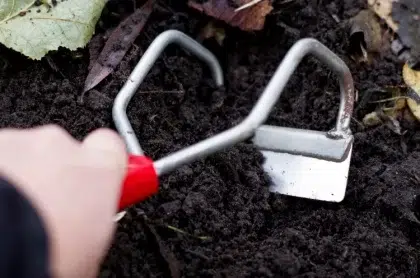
[[35, 30], [412, 79], [372, 119]]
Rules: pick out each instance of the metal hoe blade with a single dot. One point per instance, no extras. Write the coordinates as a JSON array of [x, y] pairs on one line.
[[274, 140], [306, 163]]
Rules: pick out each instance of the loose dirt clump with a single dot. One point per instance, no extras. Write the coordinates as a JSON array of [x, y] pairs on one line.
[[216, 217]]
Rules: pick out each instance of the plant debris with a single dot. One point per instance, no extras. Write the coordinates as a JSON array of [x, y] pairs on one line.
[[405, 103], [403, 17], [248, 15], [387, 117], [164, 251], [412, 79], [392, 114], [211, 30], [383, 9], [247, 5], [35, 28], [118, 44], [177, 230], [119, 216], [365, 35]]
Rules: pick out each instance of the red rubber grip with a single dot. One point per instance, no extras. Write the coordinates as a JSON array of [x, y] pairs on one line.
[[141, 181]]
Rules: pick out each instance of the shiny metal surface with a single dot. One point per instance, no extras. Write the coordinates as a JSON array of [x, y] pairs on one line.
[[307, 177], [305, 163], [143, 67], [311, 143]]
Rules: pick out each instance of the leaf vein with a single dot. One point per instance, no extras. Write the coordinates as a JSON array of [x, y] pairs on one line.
[[61, 19], [10, 16]]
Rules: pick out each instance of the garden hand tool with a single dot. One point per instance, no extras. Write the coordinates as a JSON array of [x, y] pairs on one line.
[[330, 147], [308, 163]]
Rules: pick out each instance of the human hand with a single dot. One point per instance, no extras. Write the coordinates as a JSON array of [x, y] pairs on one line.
[[74, 186]]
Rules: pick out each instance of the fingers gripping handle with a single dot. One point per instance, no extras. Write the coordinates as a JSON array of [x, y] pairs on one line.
[[141, 181]]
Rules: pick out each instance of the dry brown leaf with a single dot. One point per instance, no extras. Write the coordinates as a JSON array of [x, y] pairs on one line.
[[365, 35], [117, 45], [248, 19]]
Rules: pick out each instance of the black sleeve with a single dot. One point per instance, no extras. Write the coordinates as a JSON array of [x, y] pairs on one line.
[[23, 238]]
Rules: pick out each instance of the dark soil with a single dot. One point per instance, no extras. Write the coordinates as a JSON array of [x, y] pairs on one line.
[[248, 232]]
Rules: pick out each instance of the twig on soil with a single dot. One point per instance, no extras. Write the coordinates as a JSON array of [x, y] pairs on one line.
[[289, 29], [175, 229], [164, 251], [391, 274], [358, 122], [415, 178], [162, 92], [336, 18], [247, 5], [54, 66], [286, 2], [166, 7], [389, 99], [367, 95]]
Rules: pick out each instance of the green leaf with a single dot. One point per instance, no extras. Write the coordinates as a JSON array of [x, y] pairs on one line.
[[35, 30]]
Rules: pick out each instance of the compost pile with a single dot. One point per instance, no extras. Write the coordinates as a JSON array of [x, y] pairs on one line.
[[216, 217]]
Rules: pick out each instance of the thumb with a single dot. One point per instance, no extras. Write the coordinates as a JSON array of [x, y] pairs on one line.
[[107, 141], [107, 150]]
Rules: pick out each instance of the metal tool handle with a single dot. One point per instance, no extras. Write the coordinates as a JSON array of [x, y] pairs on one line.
[[289, 65], [267, 101], [141, 181], [148, 59], [242, 131]]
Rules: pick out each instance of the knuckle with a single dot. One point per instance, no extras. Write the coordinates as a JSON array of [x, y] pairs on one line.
[[107, 133], [54, 131], [54, 136]]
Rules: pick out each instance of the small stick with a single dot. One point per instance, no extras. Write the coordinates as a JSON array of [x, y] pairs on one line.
[[175, 229], [357, 122], [389, 99], [247, 5], [162, 92], [166, 254]]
